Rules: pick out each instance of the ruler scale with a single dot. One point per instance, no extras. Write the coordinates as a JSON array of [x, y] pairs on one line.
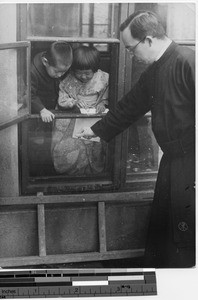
[[77, 283]]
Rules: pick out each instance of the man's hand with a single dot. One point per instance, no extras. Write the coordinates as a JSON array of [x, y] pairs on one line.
[[46, 115], [86, 132]]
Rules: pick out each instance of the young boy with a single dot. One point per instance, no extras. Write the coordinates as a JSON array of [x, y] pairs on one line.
[[46, 70]]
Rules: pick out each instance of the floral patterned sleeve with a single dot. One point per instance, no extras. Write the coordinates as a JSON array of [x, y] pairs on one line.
[[64, 97], [104, 93]]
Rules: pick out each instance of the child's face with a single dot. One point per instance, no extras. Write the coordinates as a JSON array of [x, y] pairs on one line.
[[57, 71], [84, 75]]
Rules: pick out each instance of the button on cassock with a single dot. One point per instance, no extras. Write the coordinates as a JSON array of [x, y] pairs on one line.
[[183, 226]]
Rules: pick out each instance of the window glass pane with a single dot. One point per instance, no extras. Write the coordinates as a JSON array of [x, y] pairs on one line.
[[68, 154], [143, 152], [85, 13], [55, 157], [53, 19], [101, 13], [100, 31], [51, 155], [85, 30], [71, 20], [181, 21], [13, 84]]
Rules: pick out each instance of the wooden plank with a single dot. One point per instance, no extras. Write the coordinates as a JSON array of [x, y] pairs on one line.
[[113, 79], [63, 115], [135, 197], [114, 82], [110, 17], [91, 19], [14, 45], [67, 258], [28, 58], [41, 230], [115, 18], [129, 60], [122, 57], [13, 121], [80, 18], [24, 168], [131, 8], [102, 227], [123, 67], [72, 39], [22, 24]]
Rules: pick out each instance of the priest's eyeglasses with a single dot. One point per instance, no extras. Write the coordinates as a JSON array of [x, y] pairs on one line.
[[131, 49]]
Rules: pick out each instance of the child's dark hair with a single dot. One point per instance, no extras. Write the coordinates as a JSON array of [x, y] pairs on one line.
[[85, 58], [143, 23], [59, 52]]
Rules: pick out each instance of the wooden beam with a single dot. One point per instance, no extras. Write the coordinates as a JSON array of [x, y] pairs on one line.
[[138, 198], [122, 56], [14, 45], [13, 121], [67, 258], [63, 115], [22, 24], [129, 60], [73, 39], [41, 230], [102, 227]]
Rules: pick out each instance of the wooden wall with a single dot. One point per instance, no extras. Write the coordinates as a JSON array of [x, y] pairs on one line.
[[73, 228]]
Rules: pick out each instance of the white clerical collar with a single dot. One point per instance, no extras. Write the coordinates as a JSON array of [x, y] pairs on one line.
[[163, 50]]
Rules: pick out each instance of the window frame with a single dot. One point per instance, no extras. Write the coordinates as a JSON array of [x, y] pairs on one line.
[[101, 184], [112, 27], [18, 45]]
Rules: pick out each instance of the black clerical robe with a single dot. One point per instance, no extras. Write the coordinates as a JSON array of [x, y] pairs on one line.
[[167, 89]]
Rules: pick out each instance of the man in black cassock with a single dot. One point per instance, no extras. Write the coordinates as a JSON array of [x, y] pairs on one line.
[[167, 89]]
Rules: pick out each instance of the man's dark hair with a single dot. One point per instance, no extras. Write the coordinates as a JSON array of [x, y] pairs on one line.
[[143, 23], [60, 52], [85, 58]]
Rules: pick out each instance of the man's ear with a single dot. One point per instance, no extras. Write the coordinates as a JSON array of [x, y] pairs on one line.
[[149, 39], [45, 61]]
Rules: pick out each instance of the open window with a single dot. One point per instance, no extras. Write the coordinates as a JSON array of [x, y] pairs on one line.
[[76, 23], [14, 83], [87, 165]]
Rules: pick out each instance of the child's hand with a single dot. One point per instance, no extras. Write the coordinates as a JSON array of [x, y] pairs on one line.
[[68, 103], [100, 108], [71, 103], [46, 115], [82, 104]]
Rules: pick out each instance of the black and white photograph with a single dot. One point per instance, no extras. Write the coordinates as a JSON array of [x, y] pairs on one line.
[[97, 135]]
